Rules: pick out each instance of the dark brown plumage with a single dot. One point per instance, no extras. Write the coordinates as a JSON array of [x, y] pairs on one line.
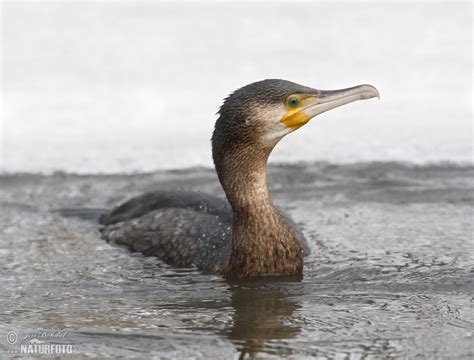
[[246, 236], [182, 228], [193, 229]]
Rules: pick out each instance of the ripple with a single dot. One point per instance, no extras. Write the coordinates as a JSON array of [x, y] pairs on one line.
[[386, 278]]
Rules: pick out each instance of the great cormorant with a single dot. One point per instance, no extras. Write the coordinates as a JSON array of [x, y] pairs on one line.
[[248, 235]]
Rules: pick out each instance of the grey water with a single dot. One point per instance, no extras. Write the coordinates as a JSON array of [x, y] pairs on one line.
[[390, 274]]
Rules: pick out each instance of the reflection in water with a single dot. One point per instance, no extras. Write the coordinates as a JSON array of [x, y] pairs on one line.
[[262, 310]]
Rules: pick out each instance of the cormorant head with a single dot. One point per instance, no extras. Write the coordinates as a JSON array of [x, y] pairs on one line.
[[255, 117], [265, 111]]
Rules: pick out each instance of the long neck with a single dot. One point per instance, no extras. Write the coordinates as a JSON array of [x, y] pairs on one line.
[[243, 176], [263, 242]]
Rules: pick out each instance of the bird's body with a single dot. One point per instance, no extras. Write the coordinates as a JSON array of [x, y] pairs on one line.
[[247, 235], [183, 228]]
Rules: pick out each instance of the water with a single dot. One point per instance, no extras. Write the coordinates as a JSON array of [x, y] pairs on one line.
[[113, 87], [390, 274], [130, 89]]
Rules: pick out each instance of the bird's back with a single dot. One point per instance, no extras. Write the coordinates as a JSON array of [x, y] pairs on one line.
[[180, 237], [191, 200]]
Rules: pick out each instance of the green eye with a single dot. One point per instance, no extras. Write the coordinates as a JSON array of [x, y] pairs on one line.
[[293, 101]]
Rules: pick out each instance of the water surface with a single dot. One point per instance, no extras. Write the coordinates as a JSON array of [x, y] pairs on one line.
[[390, 274]]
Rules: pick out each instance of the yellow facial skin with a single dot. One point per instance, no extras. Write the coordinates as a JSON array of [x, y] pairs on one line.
[[295, 118], [303, 107]]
